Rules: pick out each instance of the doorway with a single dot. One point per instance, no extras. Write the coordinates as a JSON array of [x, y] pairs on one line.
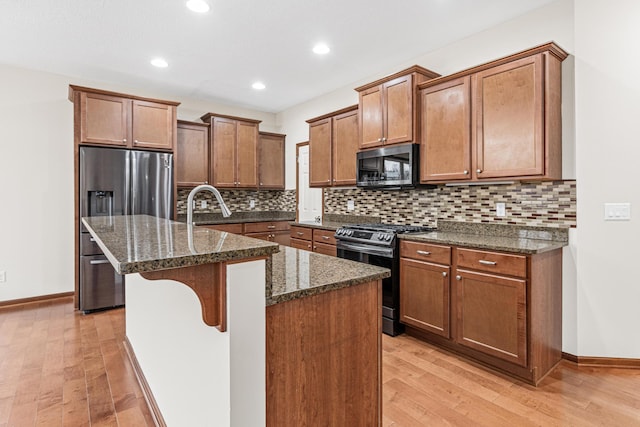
[[308, 200]]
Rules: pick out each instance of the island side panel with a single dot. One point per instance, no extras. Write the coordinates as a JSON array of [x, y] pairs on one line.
[[324, 357], [197, 374]]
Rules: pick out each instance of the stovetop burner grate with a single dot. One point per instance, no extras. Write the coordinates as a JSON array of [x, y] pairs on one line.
[[389, 228]]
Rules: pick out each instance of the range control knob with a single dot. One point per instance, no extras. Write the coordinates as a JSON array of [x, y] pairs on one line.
[[339, 232], [387, 237]]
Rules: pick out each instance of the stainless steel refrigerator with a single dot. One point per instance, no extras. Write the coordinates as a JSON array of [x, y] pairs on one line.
[[117, 182]]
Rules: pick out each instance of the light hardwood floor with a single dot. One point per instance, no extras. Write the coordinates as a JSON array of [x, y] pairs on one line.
[[61, 368]]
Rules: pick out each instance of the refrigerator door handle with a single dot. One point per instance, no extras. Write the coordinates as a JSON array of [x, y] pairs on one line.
[[127, 183]]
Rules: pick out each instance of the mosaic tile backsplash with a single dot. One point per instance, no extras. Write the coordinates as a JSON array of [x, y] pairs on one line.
[[547, 204], [238, 200]]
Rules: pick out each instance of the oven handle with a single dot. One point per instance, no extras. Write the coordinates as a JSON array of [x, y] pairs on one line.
[[365, 249]]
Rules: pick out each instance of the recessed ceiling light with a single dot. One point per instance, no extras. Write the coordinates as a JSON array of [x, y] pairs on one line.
[[159, 62], [258, 85], [199, 6], [321, 49]]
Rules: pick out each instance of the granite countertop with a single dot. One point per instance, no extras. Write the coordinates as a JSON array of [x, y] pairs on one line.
[[239, 217], [298, 273], [497, 237], [139, 243]]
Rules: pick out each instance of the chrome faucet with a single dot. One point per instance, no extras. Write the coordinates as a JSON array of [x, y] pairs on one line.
[[225, 210]]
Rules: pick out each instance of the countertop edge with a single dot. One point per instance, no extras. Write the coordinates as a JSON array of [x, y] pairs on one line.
[[459, 240], [179, 262], [303, 293]]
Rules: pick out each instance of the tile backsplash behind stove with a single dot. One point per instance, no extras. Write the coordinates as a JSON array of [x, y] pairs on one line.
[[546, 204], [239, 200]]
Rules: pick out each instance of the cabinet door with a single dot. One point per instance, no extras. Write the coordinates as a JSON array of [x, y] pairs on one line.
[[281, 238], [153, 125], [192, 155], [345, 143], [398, 109], [445, 146], [247, 155], [492, 315], [320, 153], [223, 152], [371, 121], [104, 119], [509, 113], [425, 296], [271, 161]]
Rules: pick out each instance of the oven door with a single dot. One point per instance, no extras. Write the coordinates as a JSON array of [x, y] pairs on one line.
[[382, 257]]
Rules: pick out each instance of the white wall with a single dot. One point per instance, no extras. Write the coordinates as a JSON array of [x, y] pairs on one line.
[[607, 152], [36, 172]]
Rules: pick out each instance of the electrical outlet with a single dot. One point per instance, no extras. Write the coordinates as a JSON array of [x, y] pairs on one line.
[[350, 205], [203, 204], [617, 211], [3, 276], [501, 210], [193, 204], [252, 203]]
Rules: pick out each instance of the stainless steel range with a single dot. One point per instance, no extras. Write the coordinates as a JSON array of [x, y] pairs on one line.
[[377, 244]]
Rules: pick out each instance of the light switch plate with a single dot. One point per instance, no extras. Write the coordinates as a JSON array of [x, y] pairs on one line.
[[3, 276], [350, 205], [252, 203], [203, 204], [617, 211], [501, 210]]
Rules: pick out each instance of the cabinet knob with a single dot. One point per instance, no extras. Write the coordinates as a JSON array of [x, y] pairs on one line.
[[466, 172], [379, 139], [124, 140], [309, 246], [206, 182], [478, 170], [444, 274], [315, 247], [384, 139], [261, 183], [458, 277], [135, 141]]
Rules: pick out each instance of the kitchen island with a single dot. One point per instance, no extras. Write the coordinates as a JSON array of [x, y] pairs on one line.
[[227, 330]]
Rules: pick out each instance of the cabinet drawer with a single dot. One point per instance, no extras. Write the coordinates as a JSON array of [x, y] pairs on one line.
[[493, 262], [425, 252], [324, 236], [325, 249], [262, 227], [303, 233], [300, 244], [229, 228]]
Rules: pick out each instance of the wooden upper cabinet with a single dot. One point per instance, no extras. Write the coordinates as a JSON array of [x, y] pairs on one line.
[[271, 166], [247, 154], [445, 150], [153, 125], [345, 142], [320, 153], [509, 114], [389, 109], [333, 144], [223, 153], [234, 145], [498, 120], [192, 154], [104, 119], [115, 119]]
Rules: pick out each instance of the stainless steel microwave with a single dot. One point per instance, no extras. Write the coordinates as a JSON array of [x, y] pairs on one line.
[[392, 167]]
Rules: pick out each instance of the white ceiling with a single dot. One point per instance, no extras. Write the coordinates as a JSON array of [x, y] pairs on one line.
[[218, 55]]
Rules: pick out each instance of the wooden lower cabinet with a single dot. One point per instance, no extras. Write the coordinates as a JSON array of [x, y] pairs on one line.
[[492, 315], [273, 231], [424, 296], [324, 359], [314, 239], [501, 309]]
